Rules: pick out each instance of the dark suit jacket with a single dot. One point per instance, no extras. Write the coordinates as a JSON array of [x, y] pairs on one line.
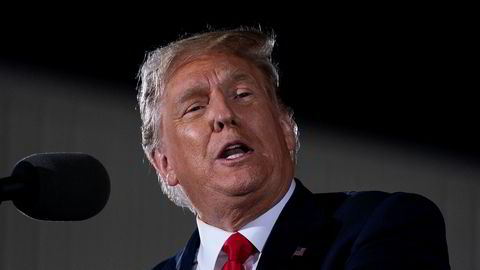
[[363, 230]]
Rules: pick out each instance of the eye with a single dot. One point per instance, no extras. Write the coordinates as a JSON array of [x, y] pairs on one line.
[[194, 108], [242, 94]]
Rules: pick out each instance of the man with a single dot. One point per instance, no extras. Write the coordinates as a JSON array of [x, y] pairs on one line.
[[224, 146]]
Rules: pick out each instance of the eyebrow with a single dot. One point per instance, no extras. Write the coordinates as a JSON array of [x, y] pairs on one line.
[[190, 92], [238, 76]]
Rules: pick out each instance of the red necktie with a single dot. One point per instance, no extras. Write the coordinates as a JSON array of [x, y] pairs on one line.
[[238, 249]]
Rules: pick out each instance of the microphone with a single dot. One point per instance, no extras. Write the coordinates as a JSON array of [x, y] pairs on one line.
[[57, 186]]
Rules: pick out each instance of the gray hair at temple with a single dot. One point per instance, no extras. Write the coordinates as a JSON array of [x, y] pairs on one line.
[[250, 44]]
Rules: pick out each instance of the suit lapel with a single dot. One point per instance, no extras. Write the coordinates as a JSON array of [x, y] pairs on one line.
[[301, 230]]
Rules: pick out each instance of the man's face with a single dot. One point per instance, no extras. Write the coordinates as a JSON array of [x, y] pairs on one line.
[[222, 135]]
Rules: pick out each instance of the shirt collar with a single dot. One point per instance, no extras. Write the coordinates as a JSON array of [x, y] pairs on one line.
[[256, 231]]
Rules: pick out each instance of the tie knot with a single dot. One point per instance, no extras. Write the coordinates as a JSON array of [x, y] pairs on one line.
[[238, 248]]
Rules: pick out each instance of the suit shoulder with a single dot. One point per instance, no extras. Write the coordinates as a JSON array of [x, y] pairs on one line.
[[400, 225], [363, 201], [410, 205], [398, 229], [367, 204], [402, 201], [171, 263], [342, 204], [374, 213]]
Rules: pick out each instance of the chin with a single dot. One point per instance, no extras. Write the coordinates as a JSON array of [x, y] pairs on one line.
[[240, 184]]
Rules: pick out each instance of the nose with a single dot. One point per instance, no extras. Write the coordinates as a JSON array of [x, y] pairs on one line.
[[222, 114]]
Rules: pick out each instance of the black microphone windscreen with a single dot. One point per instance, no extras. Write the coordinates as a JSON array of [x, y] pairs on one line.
[[62, 186]]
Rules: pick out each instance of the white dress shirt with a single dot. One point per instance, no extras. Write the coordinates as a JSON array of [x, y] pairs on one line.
[[210, 255]]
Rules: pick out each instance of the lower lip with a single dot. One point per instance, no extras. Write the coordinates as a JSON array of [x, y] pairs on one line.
[[235, 161]]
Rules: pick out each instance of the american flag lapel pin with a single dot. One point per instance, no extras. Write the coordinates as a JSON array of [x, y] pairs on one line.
[[299, 251]]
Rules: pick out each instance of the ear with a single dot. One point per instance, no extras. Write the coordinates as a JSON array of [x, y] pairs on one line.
[[164, 168], [288, 131]]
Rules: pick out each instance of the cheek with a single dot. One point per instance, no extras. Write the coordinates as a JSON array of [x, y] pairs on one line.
[[190, 143], [269, 131]]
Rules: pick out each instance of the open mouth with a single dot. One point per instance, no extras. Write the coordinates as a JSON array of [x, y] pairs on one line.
[[234, 150]]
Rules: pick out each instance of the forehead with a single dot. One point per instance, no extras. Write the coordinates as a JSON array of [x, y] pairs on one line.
[[217, 67]]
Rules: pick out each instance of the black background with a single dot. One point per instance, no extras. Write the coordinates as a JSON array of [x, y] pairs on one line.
[[395, 73]]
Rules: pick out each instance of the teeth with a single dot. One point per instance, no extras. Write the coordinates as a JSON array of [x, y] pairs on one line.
[[232, 146], [235, 156]]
